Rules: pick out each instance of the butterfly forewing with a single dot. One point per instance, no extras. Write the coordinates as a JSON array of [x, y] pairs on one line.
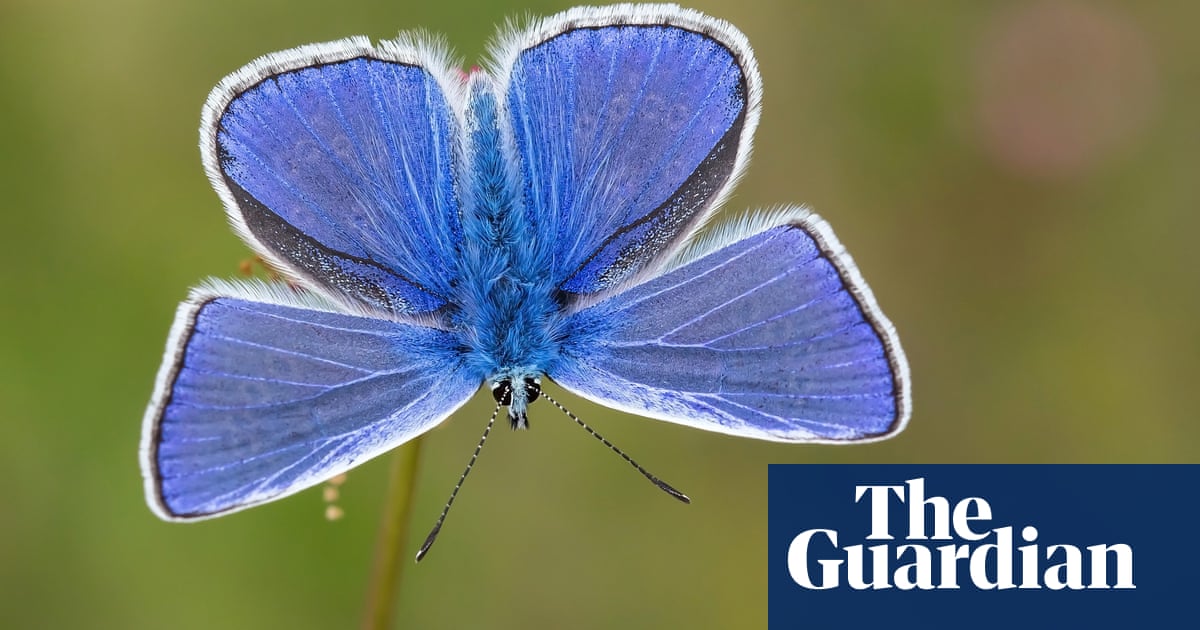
[[264, 399], [773, 336]]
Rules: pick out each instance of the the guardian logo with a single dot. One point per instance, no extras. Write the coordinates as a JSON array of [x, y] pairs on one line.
[[949, 546]]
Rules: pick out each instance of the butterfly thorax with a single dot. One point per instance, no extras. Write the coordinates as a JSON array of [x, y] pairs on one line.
[[509, 314]]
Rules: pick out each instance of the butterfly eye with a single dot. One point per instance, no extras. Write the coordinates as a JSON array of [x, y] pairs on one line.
[[502, 391], [533, 389]]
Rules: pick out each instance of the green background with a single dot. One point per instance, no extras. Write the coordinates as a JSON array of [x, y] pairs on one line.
[[1017, 181]]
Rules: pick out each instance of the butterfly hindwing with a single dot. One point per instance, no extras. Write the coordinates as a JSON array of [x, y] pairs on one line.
[[337, 162], [773, 336], [629, 124], [261, 395]]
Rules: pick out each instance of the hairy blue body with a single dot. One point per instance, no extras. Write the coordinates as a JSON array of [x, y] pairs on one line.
[[509, 318]]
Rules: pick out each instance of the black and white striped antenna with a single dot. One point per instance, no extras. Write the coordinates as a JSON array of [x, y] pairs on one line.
[[662, 485]]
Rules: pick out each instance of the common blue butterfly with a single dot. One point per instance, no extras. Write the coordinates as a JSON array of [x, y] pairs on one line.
[[537, 219]]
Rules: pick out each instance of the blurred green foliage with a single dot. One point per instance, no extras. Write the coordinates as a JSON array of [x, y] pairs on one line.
[[1017, 181]]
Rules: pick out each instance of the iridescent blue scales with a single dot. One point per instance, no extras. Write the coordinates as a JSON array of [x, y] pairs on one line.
[[540, 219]]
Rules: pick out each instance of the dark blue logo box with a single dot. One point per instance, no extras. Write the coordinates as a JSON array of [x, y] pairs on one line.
[[992, 546]]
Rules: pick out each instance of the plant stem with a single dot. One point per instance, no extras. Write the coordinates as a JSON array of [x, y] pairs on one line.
[[384, 588]]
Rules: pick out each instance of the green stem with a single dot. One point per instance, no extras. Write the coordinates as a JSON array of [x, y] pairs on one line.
[[384, 588]]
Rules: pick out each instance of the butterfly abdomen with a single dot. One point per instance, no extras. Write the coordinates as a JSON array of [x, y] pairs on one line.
[[508, 310]]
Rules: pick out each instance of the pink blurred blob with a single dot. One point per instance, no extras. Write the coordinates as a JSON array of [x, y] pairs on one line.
[[1062, 86]]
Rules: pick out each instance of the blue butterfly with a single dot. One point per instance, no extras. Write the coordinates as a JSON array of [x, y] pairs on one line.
[[539, 219]]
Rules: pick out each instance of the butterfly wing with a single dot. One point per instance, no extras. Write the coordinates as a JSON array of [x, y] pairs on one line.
[[337, 162], [629, 125], [262, 395], [767, 331]]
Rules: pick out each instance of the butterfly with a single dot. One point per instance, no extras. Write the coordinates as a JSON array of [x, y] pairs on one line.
[[537, 219]]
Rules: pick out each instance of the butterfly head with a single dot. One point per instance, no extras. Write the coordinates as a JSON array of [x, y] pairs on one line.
[[517, 393]]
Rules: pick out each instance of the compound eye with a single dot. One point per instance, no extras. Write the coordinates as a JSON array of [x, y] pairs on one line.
[[533, 389], [502, 392]]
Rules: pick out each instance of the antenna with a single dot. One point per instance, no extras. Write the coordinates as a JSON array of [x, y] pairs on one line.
[[446, 510], [662, 485]]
